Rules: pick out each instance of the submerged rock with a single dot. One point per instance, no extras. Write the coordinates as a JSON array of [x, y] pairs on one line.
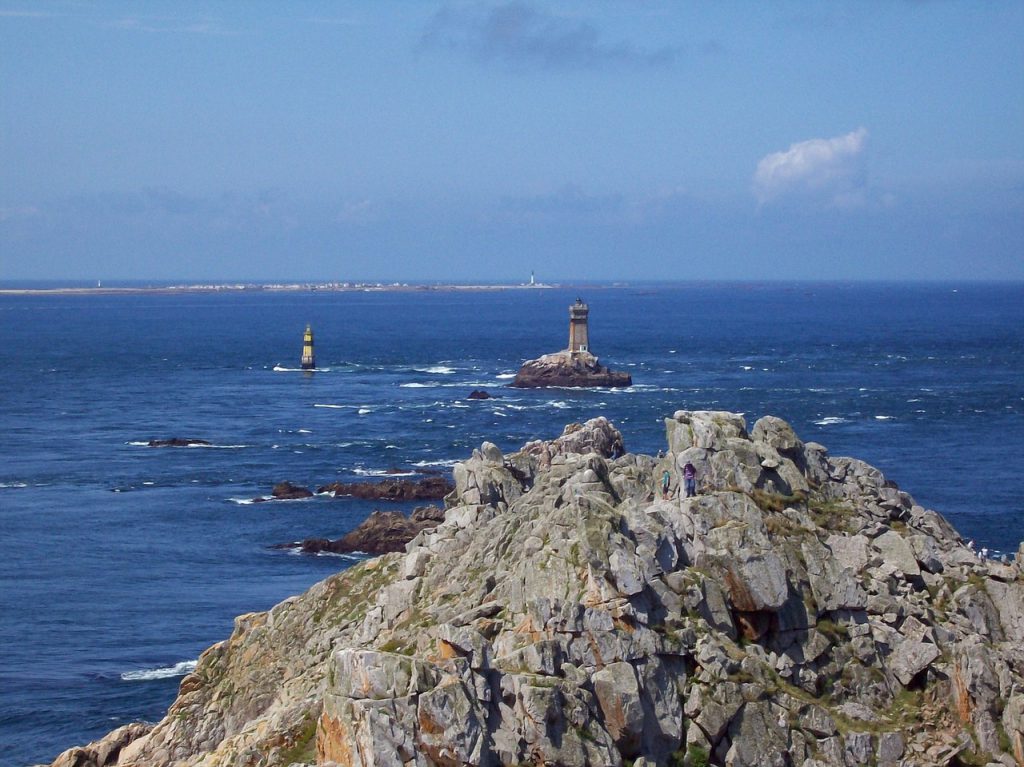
[[801, 610], [479, 394], [178, 442], [565, 368]]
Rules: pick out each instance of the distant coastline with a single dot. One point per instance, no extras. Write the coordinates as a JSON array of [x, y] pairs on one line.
[[291, 287]]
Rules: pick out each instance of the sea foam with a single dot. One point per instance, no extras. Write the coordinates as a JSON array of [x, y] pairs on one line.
[[165, 672]]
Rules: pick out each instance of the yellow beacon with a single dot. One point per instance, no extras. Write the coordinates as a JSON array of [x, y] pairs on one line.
[[308, 360]]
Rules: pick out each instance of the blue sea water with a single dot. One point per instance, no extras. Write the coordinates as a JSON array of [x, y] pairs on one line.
[[121, 562]]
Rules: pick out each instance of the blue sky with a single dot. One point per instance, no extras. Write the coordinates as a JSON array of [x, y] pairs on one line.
[[471, 141]]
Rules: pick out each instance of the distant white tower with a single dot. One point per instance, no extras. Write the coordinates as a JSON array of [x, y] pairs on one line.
[[532, 280]]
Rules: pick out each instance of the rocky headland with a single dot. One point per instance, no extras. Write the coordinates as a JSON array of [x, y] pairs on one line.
[[802, 610], [565, 368]]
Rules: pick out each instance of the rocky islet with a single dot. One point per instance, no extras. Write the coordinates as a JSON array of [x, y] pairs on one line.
[[801, 610]]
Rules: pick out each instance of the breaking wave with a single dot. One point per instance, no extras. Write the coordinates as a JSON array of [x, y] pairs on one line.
[[382, 472], [166, 672]]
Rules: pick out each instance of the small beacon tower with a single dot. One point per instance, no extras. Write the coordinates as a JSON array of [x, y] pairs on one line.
[[578, 336], [308, 360]]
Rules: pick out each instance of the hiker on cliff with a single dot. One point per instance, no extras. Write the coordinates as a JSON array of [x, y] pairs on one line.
[[666, 483], [690, 479]]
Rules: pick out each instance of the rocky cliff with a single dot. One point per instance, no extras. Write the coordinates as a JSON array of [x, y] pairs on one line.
[[801, 610]]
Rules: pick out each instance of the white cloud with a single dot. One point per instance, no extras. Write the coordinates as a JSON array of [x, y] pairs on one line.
[[827, 169]]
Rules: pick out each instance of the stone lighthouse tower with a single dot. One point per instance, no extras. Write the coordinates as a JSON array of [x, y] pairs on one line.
[[578, 337], [308, 360]]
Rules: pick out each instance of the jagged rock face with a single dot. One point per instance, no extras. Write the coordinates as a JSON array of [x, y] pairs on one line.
[[565, 614], [575, 369]]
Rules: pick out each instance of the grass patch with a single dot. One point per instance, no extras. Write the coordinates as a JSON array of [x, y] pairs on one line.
[[303, 746], [828, 514], [835, 632], [776, 502]]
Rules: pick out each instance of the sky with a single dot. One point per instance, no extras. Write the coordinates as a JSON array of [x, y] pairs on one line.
[[480, 141]]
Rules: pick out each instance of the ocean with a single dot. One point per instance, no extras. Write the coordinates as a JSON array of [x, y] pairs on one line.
[[122, 562]]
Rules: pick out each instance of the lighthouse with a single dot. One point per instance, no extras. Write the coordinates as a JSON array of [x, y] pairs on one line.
[[308, 360], [578, 337]]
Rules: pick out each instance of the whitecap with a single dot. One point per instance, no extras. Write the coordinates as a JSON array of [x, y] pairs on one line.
[[364, 411], [436, 369], [333, 407], [13, 484], [381, 472], [422, 464], [243, 501], [830, 421], [283, 369], [884, 417], [166, 672], [746, 367], [137, 443], [303, 431], [558, 404], [415, 385], [350, 557], [505, 375]]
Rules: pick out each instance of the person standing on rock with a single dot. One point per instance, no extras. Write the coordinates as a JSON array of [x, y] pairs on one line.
[[690, 479], [666, 483]]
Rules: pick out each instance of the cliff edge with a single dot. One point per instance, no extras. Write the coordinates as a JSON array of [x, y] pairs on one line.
[[801, 610]]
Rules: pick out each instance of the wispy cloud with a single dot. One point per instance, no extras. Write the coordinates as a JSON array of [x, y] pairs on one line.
[[568, 203], [334, 21], [828, 169], [18, 14], [18, 211], [518, 33], [173, 26]]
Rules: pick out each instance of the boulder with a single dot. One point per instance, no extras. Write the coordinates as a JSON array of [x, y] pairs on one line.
[[479, 394]]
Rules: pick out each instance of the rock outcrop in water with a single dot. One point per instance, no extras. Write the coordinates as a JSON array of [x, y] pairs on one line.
[[383, 532], [565, 368], [801, 611], [432, 488]]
